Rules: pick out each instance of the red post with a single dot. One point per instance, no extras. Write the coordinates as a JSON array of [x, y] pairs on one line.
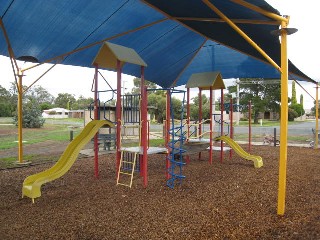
[[250, 126], [188, 121], [167, 136], [96, 115], [188, 112], [222, 109], [231, 124], [118, 116], [211, 130], [200, 117], [144, 133]]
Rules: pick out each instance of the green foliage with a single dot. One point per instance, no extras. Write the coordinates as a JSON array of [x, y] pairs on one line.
[[45, 106], [292, 114], [294, 94], [65, 100], [7, 106], [40, 95], [82, 103], [157, 100], [298, 108], [263, 95], [136, 83], [31, 116], [301, 100], [194, 108]]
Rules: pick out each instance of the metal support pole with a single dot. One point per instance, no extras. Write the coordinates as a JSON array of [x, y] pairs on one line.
[[167, 134], [96, 109], [188, 113], [188, 120], [274, 137], [118, 116], [211, 128], [200, 117], [250, 126], [283, 122], [222, 109], [231, 124], [20, 95], [144, 132], [71, 135], [316, 140]]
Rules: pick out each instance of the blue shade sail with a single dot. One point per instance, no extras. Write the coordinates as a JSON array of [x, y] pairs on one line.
[[166, 34]]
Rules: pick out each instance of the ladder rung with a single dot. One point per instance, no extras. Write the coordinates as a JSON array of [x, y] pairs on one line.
[[130, 174], [127, 185], [127, 162]]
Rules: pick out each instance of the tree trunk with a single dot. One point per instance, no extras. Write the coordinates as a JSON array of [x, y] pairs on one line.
[[255, 119]]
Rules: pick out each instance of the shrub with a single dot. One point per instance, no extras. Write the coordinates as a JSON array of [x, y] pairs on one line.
[[31, 116], [292, 114]]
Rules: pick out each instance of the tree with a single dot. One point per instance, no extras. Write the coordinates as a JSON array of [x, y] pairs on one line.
[[292, 114], [295, 106], [6, 105], [301, 100], [31, 105], [298, 108], [137, 85], [82, 102], [294, 93], [158, 100], [65, 100], [31, 115], [263, 94], [194, 108], [41, 96]]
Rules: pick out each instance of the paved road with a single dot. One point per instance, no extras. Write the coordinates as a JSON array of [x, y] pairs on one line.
[[302, 129]]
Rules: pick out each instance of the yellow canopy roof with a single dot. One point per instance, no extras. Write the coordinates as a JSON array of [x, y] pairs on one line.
[[109, 53], [206, 80]]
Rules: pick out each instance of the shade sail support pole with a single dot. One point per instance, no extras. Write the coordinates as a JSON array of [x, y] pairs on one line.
[[316, 141], [283, 122], [242, 34], [262, 11], [304, 89], [20, 95]]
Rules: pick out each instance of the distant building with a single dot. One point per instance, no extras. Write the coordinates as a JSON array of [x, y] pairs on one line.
[[55, 113]]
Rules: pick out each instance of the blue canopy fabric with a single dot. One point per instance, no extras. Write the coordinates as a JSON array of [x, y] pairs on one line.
[[173, 48]]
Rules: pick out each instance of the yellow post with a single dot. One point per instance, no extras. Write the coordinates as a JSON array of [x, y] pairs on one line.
[[20, 93], [283, 122], [317, 120]]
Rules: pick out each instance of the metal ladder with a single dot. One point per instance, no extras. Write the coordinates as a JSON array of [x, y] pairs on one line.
[[177, 138]]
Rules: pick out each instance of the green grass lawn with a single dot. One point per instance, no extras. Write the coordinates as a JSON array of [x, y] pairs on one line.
[[58, 130]]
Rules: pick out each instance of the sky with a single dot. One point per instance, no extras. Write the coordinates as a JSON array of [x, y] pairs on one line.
[[303, 51]]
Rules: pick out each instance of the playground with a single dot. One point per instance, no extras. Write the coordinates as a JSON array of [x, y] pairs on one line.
[[228, 200], [201, 183]]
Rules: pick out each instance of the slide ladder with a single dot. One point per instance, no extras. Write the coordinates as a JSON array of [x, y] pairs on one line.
[[177, 139], [127, 168]]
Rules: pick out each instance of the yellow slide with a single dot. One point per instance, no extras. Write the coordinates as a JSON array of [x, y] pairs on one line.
[[235, 146], [32, 184]]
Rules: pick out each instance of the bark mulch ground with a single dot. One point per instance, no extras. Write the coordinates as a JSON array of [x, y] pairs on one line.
[[228, 200]]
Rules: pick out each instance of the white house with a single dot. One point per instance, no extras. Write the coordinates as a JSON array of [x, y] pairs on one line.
[[55, 113]]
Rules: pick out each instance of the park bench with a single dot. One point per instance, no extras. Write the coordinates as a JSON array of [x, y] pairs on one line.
[[107, 140]]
